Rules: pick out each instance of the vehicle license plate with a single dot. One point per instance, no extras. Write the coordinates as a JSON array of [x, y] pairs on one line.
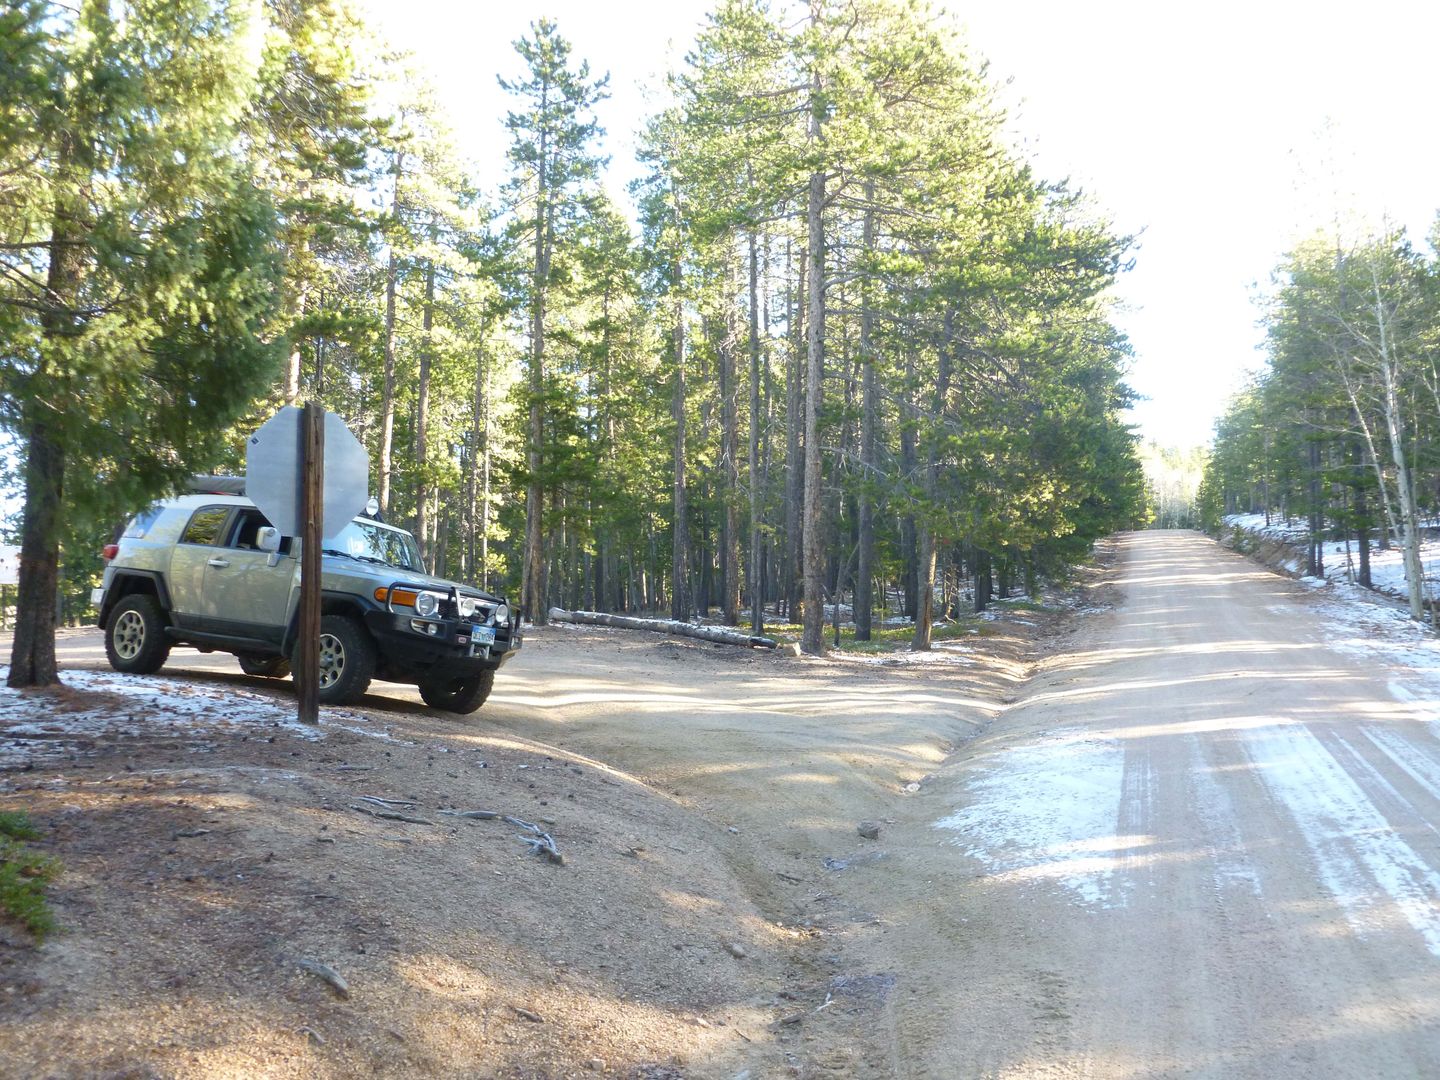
[[481, 638]]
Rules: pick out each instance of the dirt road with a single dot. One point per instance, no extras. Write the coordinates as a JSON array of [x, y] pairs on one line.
[[1196, 842], [1210, 845]]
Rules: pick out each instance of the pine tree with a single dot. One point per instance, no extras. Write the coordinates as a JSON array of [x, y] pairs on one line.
[[554, 174], [139, 268]]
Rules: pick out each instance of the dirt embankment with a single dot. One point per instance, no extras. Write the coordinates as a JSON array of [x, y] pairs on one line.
[[1277, 554], [717, 913]]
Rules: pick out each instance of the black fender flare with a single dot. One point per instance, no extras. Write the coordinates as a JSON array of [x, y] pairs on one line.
[[331, 603], [126, 582]]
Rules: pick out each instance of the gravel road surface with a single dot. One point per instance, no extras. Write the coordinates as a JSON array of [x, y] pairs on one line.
[[1208, 847]]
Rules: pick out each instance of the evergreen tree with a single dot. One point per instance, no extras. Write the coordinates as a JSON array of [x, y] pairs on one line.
[[1346, 408], [554, 174], [139, 268]]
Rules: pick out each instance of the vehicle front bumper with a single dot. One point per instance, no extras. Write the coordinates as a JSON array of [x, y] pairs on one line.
[[413, 648]]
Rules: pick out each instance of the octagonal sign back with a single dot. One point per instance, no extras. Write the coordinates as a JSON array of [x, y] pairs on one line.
[[272, 472]]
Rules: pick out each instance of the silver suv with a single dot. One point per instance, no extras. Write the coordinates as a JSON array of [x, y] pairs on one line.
[[207, 570]]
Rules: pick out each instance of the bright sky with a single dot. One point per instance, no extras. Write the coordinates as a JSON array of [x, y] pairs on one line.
[[1214, 132], [1223, 131]]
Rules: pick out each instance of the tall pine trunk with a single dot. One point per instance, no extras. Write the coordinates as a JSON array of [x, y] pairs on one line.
[[533, 585], [756, 582], [909, 558], [680, 551], [32, 652], [605, 575], [422, 421], [812, 639], [794, 449], [869, 407], [387, 387], [730, 454]]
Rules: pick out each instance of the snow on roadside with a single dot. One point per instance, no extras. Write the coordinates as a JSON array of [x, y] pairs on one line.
[[40, 725], [1342, 557], [1369, 625]]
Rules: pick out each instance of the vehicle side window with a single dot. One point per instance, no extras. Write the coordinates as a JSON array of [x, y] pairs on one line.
[[245, 529], [204, 527]]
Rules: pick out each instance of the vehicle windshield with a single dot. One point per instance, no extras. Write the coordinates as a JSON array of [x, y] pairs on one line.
[[371, 543]]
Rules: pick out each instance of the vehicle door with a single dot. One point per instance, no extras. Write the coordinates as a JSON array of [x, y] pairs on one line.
[[196, 547], [247, 592]]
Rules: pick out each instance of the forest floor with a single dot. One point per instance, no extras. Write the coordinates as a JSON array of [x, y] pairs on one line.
[[717, 913]]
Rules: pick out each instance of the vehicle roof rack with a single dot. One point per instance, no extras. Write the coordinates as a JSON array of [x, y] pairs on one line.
[[215, 485]]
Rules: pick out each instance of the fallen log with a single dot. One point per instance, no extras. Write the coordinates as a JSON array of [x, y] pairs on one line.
[[718, 634]]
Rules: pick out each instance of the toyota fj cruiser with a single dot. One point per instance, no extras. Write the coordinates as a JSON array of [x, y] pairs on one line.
[[207, 570]]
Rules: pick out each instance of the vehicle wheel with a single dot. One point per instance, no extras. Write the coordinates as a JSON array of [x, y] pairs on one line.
[[135, 640], [458, 695], [268, 667], [347, 660]]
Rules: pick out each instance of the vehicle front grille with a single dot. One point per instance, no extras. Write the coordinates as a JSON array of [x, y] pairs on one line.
[[483, 610]]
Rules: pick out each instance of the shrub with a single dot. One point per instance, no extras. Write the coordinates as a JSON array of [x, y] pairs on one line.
[[24, 873]]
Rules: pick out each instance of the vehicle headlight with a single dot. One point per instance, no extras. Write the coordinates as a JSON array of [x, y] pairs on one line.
[[427, 604], [468, 604], [501, 615]]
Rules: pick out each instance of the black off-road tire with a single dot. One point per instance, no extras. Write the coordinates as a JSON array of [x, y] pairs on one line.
[[461, 696], [347, 660], [135, 640], [267, 667]]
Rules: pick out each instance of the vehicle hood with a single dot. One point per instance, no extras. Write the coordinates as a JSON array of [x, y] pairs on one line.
[[386, 575]]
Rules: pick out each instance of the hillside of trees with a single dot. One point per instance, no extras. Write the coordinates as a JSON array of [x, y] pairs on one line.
[[851, 343], [1342, 428]]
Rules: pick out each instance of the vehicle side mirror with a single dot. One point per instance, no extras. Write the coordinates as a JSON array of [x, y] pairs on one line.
[[268, 539]]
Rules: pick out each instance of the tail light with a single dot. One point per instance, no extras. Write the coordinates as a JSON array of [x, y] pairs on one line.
[[109, 551]]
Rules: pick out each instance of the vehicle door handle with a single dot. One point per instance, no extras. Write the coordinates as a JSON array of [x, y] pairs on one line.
[[218, 563]]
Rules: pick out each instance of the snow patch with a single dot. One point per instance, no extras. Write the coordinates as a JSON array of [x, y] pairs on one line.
[[1216, 809], [941, 652], [40, 725], [1048, 811]]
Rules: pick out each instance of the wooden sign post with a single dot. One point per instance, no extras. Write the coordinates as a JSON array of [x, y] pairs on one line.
[[286, 475], [312, 488]]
